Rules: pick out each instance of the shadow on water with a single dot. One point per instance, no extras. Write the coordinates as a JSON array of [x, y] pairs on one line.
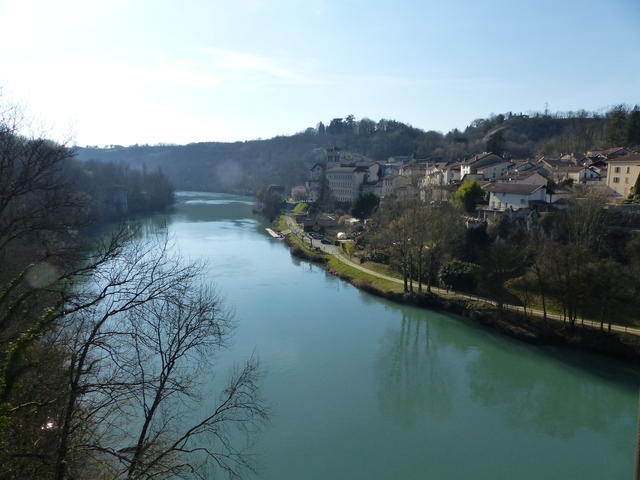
[[411, 374], [424, 363], [598, 367], [557, 403]]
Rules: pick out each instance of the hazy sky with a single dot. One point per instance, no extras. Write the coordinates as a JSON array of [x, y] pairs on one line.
[[125, 72]]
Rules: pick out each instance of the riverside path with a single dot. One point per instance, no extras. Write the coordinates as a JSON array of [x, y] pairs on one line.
[[337, 252]]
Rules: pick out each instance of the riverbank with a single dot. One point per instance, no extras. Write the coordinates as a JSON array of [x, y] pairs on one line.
[[516, 324]]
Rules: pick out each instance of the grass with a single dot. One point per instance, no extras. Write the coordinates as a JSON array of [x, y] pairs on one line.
[[348, 248], [382, 268], [556, 308], [301, 208], [295, 240], [362, 277], [280, 223]]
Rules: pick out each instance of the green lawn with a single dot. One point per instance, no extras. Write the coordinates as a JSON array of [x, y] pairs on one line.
[[382, 268], [360, 276], [301, 208], [306, 248], [280, 223]]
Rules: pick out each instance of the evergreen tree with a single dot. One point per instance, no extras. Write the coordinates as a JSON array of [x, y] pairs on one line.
[[365, 205], [616, 126], [495, 143], [633, 127], [468, 195]]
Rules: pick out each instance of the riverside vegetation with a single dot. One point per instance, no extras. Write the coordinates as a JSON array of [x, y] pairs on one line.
[[578, 263], [96, 331]]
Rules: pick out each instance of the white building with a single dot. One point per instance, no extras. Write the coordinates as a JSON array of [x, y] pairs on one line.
[[441, 173], [345, 182], [485, 166], [514, 196], [315, 179], [528, 177]]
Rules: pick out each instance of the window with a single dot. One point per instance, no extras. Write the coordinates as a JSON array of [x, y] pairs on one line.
[[626, 179], [616, 180], [617, 170], [628, 169]]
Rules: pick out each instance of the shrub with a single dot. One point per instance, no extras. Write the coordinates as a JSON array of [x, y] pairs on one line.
[[458, 275]]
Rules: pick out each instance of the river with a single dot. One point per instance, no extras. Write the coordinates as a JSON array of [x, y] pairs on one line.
[[363, 388]]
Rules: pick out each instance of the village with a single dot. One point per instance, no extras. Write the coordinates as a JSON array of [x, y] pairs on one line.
[[510, 184], [553, 237]]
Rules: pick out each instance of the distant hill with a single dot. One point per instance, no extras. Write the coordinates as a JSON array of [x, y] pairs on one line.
[[243, 167]]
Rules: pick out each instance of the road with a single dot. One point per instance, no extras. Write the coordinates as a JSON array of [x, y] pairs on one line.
[[337, 252]]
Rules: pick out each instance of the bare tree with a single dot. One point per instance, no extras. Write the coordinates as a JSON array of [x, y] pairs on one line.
[[140, 333]]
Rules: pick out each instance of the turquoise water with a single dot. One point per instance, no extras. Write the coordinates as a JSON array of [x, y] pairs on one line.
[[362, 388]]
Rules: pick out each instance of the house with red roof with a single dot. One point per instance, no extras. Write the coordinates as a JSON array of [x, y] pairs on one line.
[[514, 196]]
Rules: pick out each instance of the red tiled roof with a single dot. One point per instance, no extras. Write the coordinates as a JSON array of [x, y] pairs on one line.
[[633, 158], [609, 151], [516, 188]]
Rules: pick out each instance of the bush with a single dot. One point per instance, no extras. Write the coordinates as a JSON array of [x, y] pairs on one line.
[[468, 196], [458, 275], [378, 256]]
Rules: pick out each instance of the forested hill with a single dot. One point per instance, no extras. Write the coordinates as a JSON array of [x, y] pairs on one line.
[[246, 166]]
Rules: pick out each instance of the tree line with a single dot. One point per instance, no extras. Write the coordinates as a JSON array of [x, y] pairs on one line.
[[582, 262], [104, 341], [244, 167]]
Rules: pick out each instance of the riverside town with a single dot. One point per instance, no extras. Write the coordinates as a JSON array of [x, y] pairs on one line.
[[261, 240]]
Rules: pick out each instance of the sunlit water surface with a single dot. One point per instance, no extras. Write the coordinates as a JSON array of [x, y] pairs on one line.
[[362, 388]]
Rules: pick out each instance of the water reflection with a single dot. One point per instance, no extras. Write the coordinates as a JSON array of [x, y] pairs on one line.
[[209, 207], [411, 376], [556, 403], [427, 367], [365, 388]]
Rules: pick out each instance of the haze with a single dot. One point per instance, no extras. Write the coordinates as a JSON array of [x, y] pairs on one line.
[[121, 72]]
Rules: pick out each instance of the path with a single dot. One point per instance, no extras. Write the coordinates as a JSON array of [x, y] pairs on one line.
[[337, 252]]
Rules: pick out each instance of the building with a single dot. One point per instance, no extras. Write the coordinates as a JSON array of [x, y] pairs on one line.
[[333, 157], [514, 196], [485, 166], [314, 183], [345, 182], [531, 177], [300, 193], [573, 158], [623, 174], [441, 173]]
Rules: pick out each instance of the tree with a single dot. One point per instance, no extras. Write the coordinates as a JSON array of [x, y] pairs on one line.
[[336, 127], [458, 275], [350, 123], [271, 203], [616, 126], [496, 142], [141, 330], [364, 205], [633, 127], [444, 234], [366, 127], [71, 315], [398, 237], [504, 261], [468, 195]]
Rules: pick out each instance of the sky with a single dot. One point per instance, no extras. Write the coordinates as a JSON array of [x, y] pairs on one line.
[[135, 72]]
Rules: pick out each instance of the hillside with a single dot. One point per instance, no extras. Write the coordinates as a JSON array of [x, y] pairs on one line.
[[245, 166]]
